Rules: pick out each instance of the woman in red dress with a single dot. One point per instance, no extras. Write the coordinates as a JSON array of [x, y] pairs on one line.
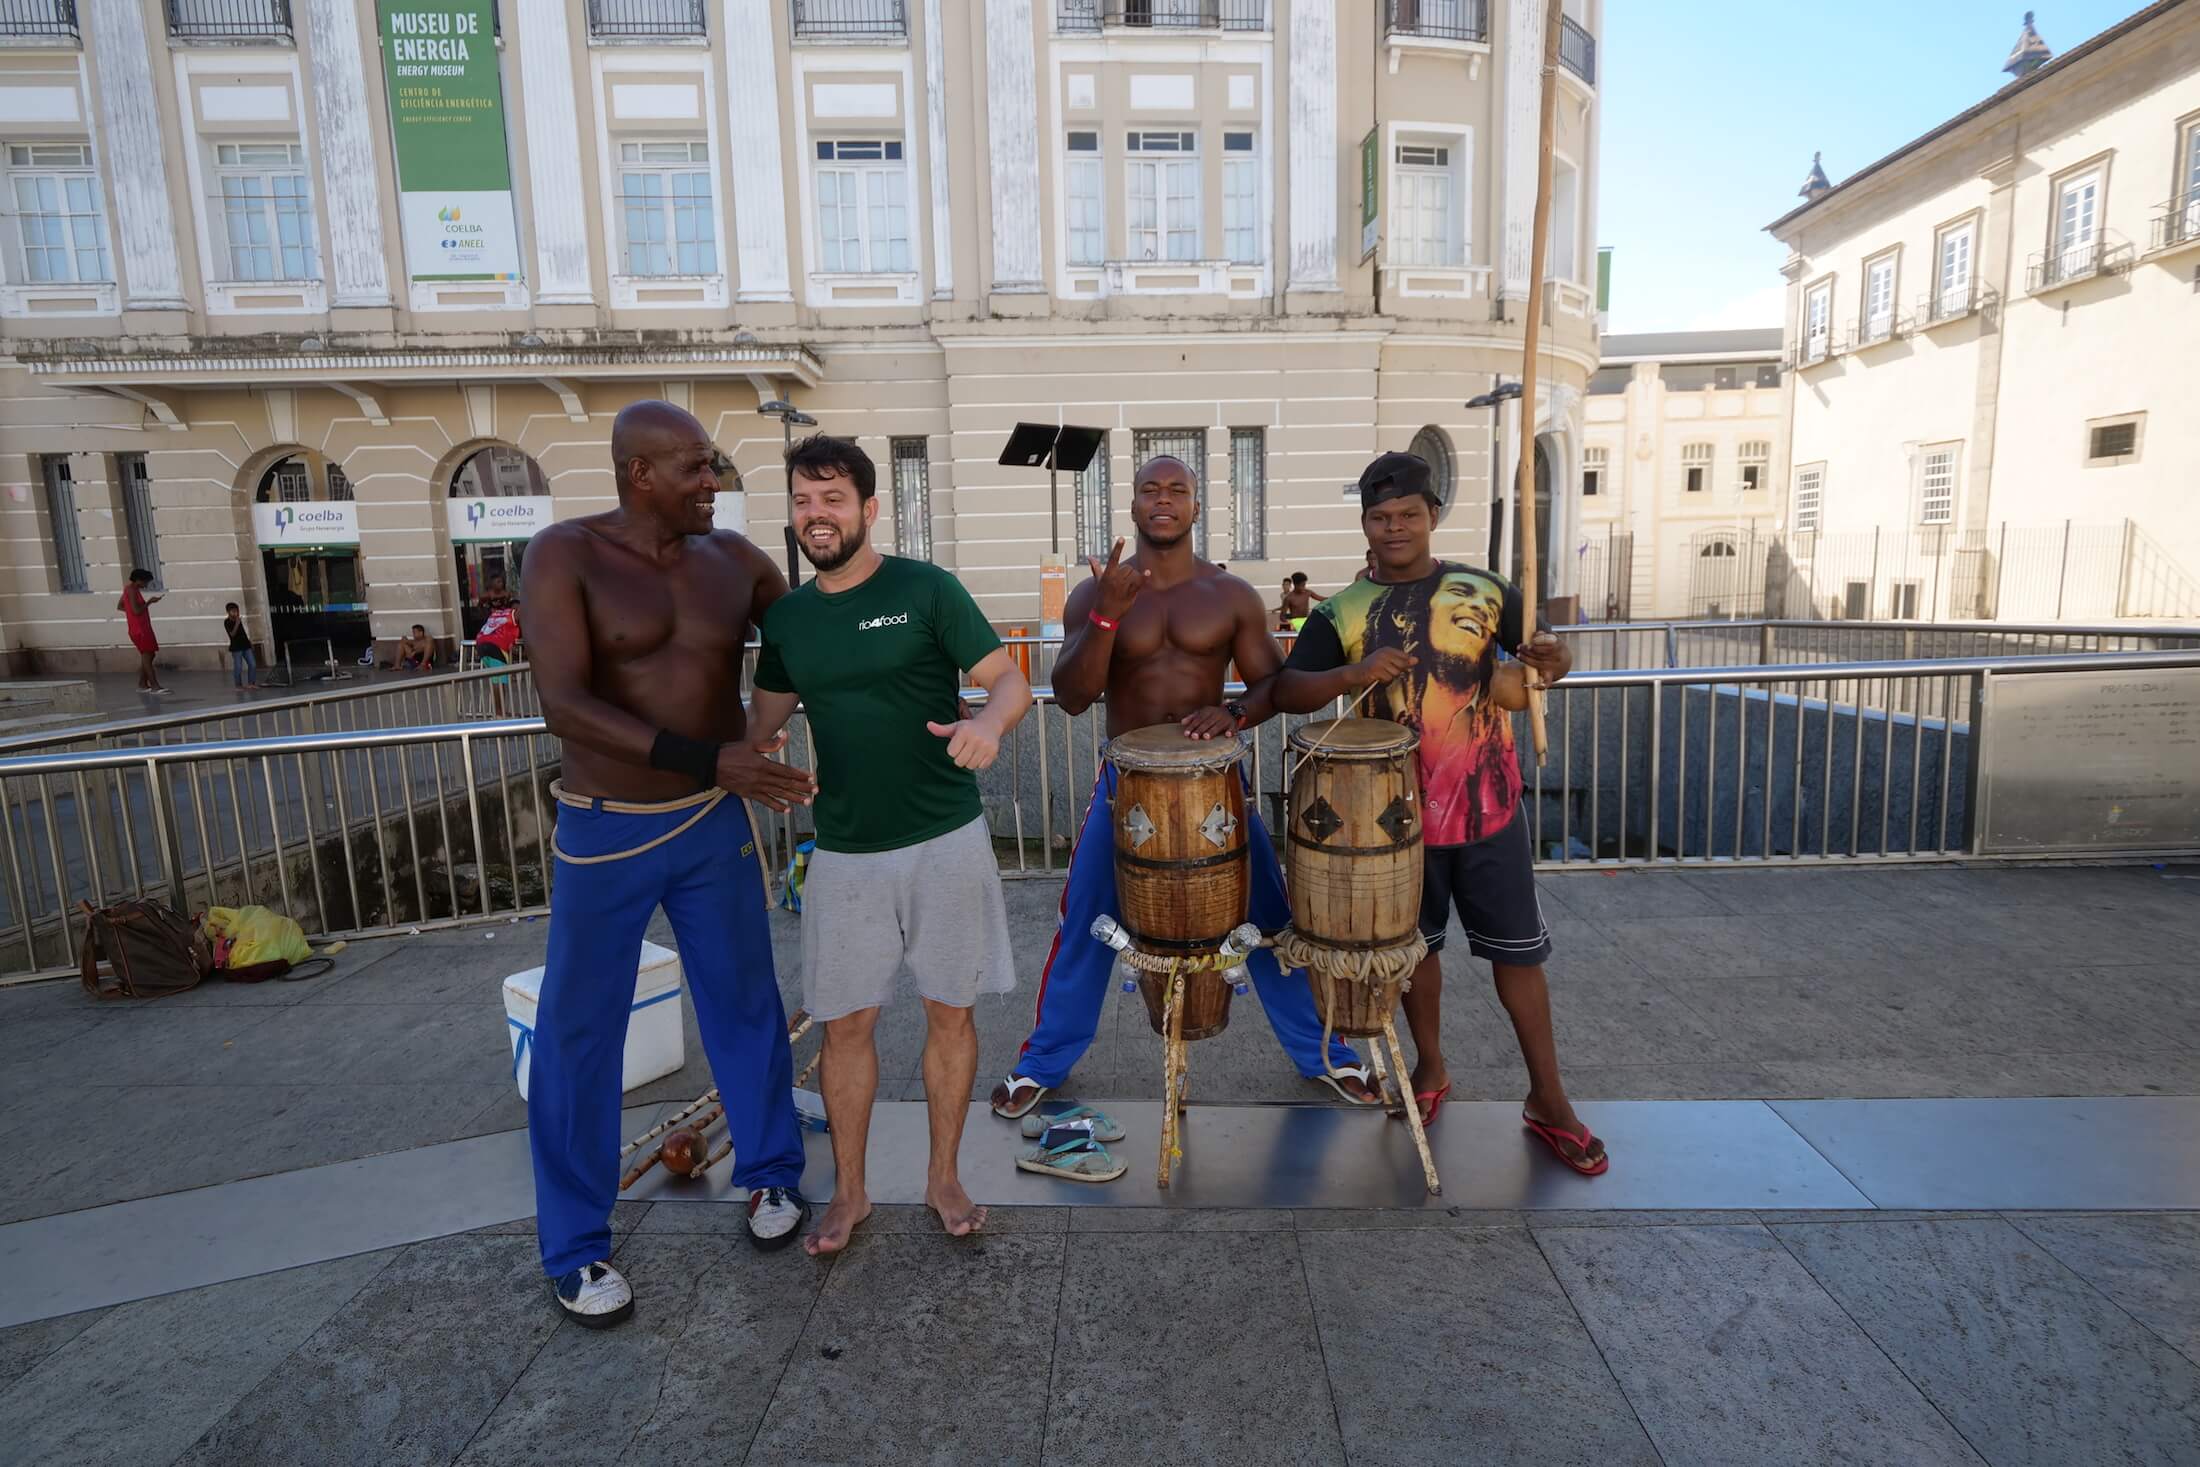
[[136, 609]]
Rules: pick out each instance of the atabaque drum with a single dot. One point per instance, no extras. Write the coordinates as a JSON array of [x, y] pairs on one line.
[[1354, 855], [1181, 867]]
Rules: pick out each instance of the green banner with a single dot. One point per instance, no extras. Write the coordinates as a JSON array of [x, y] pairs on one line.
[[454, 172], [1371, 170]]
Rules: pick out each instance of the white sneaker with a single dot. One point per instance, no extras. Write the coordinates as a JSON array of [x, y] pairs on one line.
[[594, 1297], [775, 1215]]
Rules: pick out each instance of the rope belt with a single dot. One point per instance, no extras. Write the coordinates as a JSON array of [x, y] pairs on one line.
[[702, 802]]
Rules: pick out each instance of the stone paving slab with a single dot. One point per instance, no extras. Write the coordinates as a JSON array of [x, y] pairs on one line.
[[2148, 1264]]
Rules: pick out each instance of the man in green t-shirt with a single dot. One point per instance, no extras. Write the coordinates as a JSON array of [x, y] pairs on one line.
[[874, 648]]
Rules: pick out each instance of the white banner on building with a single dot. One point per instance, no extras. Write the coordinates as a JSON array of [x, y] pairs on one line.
[[332, 522], [729, 510], [518, 517]]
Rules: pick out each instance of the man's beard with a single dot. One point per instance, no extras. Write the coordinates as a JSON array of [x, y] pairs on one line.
[[833, 560]]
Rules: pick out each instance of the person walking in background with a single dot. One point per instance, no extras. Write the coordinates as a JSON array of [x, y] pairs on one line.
[[137, 613], [244, 668], [497, 643]]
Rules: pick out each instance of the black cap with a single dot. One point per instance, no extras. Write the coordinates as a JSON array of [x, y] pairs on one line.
[[1395, 476]]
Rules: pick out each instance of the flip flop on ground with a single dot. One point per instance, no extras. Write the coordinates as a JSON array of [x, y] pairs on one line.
[[1014, 1097], [1588, 1156], [1104, 1126], [1070, 1153], [1366, 1095]]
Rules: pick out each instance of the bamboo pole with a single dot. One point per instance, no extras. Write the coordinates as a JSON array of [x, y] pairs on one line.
[[1524, 479]]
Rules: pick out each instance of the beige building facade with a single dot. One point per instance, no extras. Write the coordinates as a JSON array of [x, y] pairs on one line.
[[1992, 335], [262, 339]]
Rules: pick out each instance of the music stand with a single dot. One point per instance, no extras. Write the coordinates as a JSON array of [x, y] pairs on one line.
[[1059, 446]]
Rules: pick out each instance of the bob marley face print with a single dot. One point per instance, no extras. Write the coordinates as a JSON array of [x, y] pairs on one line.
[[1452, 623]]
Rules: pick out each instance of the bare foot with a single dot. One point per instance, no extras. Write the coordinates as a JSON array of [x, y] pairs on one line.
[[958, 1214], [842, 1215]]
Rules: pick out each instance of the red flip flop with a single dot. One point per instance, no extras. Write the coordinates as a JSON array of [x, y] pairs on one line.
[[1550, 1135], [1435, 1099]]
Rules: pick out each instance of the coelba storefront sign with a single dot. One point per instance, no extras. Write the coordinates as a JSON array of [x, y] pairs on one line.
[[516, 518], [279, 525]]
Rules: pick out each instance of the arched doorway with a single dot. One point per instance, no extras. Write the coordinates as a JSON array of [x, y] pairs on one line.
[[497, 501], [1431, 444], [307, 530], [1543, 551]]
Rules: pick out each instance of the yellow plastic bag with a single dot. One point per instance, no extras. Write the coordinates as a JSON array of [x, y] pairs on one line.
[[257, 935]]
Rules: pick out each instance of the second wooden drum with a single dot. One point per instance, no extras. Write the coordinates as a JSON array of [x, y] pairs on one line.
[[1355, 851], [1181, 872]]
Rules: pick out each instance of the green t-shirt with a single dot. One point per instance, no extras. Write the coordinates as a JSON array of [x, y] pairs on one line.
[[873, 665]]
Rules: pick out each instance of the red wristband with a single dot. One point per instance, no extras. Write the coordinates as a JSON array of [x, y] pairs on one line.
[[1102, 622]]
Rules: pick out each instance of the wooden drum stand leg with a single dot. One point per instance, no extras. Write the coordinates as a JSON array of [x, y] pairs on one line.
[[1172, 1075], [1413, 1109]]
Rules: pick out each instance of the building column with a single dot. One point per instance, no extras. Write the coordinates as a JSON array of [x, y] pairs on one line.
[[1995, 265], [1012, 141], [935, 120], [358, 262], [1522, 113], [555, 180], [1313, 121], [752, 136], [141, 213]]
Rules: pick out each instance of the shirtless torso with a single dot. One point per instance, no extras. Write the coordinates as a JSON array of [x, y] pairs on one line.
[[1173, 647]]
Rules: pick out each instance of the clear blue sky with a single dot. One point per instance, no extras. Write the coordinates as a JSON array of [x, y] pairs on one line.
[[1712, 109]]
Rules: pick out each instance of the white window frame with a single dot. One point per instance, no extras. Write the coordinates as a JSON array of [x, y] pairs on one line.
[[1084, 193], [1416, 163], [1938, 468], [2076, 208], [1753, 453], [1696, 462], [76, 211], [228, 164], [912, 483], [889, 171], [1808, 510], [2185, 181], [1248, 494], [1955, 292], [1244, 222], [1095, 516], [1565, 223], [1166, 167], [2138, 422], [1816, 327], [1876, 309], [667, 207], [1595, 465]]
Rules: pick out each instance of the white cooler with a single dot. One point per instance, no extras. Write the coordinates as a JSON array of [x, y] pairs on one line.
[[656, 1030]]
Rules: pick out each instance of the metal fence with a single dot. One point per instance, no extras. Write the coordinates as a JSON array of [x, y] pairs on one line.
[[850, 18], [228, 20], [1209, 15], [373, 830], [1443, 20], [56, 18], [640, 19]]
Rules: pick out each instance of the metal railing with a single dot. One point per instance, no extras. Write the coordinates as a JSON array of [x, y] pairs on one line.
[[1577, 50], [2178, 222], [385, 830], [2073, 263], [1952, 303], [1440, 20], [621, 20], [55, 18], [849, 18], [229, 20], [1204, 15]]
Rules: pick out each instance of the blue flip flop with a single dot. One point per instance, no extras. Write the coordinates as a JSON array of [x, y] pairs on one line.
[[1104, 1126], [1070, 1152]]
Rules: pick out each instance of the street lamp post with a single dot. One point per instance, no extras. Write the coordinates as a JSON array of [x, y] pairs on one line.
[[790, 418], [1500, 393]]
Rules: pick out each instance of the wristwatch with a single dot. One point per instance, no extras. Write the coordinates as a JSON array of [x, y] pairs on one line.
[[1236, 709]]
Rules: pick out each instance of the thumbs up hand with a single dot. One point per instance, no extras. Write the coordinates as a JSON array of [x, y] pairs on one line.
[[970, 743]]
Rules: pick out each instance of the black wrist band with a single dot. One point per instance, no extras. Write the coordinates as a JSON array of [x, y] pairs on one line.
[[697, 758]]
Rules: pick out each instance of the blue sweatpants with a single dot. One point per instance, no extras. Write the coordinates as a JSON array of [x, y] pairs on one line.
[[1075, 981], [709, 883]]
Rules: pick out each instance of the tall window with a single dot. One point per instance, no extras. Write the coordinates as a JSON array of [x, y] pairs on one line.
[[1817, 321], [1094, 525], [339, 487], [68, 535], [1189, 445], [912, 499], [1936, 485], [664, 209], [1565, 222], [2184, 221], [1755, 456], [1164, 195], [1878, 321], [1593, 462], [1810, 483], [1085, 215], [1952, 271], [266, 214], [1424, 224], [60, 234], [1248, 494], [2077, 221], [292, 485], [137, 514], [863, 207], [1696, 467], [1240, 200]]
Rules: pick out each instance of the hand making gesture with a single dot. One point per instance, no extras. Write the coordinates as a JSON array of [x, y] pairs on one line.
[[1119, 583]]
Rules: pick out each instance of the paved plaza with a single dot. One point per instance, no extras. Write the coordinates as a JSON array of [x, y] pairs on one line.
[[1905, 1171]]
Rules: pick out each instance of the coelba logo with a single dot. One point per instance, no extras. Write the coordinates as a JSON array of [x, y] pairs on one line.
[[448, 214], [284, 517], [474, 513], [883, 621]]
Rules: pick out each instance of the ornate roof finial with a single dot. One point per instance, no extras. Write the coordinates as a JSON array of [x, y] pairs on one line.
[[1816, 184], [2030, 53]]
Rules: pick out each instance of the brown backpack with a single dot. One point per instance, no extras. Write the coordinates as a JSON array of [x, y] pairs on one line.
[[149, 951]]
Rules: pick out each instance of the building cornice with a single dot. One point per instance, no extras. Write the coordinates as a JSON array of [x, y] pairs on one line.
[[209, 369]]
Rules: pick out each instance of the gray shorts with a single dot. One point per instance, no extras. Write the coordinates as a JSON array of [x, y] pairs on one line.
[[935, 905]]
